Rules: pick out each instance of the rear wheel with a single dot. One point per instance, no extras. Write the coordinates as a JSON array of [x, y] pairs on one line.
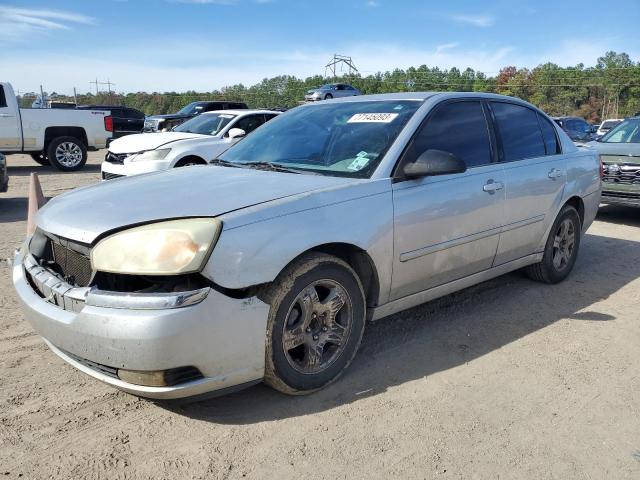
[[561, 249], [40, 157], [67, 153], [315, 324]]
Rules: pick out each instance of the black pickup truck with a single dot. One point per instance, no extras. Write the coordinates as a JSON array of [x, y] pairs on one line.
[[157, 123]]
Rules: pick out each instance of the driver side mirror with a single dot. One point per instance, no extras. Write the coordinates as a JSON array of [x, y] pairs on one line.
[[236, 133], [434, 162]]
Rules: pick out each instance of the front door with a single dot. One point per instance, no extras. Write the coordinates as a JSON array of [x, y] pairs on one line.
[[447, 227]]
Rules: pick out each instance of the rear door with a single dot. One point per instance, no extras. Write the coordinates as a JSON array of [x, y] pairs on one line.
[[10, 134], [447, 227], [535, 174]]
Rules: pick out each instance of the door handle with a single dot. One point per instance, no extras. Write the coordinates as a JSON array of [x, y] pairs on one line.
[[554, 173], [492, 187]]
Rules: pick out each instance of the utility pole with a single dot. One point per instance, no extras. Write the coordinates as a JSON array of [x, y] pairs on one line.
[[75, 97], [108, 83], [342, 60]]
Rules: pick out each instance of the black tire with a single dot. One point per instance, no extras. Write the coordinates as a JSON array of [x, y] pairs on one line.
[[189, 162], [548, 270], [40, 157], [76, 148], [328, 96], [334, 335]]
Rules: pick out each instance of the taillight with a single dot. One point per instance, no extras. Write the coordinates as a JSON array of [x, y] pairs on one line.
[[108, 123]]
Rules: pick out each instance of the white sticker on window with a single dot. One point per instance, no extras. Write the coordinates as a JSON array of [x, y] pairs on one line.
[[372, 118], [358, 164]]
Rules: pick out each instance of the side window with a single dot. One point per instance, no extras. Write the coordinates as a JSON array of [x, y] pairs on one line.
[[549, 136], [572, 125], [459, 128], [269, 116], [519, 131], [249, 123], [210, 107], [3, 99]]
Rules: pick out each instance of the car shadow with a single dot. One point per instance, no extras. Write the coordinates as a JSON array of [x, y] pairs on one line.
[[620, 215], [444, 334], [26, 170]]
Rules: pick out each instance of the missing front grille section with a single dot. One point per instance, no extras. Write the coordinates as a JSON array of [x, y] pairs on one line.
[[117, 282]]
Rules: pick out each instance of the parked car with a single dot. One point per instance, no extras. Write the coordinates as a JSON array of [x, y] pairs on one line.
[[331, 90], [577, 128], [607, 125], [60, 137], [194, 142], [158, 123], [619, 151], [4, 175], [126, 120], [267, 265]]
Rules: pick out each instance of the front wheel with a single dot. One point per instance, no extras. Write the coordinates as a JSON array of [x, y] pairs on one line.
[[315, 324], [40, 157], [328, 96], [67, 154], [561, 249]]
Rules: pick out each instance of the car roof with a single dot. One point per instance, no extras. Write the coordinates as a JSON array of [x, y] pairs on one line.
[[422, 96], [240, 112]]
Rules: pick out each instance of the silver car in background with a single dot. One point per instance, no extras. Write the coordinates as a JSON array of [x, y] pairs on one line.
[[331, 90], [267, 265]]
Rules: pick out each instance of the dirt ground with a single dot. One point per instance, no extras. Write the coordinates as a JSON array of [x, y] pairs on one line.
[[510, 379]]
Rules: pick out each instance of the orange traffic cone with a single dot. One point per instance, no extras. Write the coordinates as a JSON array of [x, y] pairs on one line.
[[36, 200]]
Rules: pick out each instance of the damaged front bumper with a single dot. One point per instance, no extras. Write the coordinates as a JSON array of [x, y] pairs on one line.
[[102, 332]]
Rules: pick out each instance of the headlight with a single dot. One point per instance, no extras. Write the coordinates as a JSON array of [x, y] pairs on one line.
[[151, 155], [163, 248]]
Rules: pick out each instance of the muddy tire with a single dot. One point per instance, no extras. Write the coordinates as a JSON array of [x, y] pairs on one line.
[[315, 324], [561, 249]]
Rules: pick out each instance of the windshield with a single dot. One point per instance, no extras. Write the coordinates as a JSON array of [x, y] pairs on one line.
[[609, 124], [205, 124], [190, 109], [328, 86], [627, 132], [340, 139]]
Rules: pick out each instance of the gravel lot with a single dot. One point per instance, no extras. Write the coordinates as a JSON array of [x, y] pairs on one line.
[[509, 379]]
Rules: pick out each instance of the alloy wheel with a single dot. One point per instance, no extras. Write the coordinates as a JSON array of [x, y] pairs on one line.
[[563, 244], [68, 154]]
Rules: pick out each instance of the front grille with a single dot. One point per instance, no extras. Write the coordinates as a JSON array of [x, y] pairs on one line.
[[73, 266], [621, 173], [117, 158], [621, 195], [110, 176]]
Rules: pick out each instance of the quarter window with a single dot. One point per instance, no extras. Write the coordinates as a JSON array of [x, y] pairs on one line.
[[459, 128], [549, 136], [3, 100], [519, 131]]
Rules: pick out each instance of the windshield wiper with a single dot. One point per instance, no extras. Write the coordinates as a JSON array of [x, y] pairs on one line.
[[274, 167], [224, 163]]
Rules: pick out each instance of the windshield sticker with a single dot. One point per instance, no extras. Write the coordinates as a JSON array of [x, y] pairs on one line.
[[372, 118], [358, 164]]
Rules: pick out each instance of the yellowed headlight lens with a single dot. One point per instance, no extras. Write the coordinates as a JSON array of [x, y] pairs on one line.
[[163, 248]]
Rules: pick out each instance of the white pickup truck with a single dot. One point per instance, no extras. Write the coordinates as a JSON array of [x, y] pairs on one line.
[[59, 137]]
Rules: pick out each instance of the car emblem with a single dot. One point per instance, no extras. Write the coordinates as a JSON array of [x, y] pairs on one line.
[[615, 168]]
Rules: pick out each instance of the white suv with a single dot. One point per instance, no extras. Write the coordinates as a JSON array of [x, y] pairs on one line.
[[195, 142]]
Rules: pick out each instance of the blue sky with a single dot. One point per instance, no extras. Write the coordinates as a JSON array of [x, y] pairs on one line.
[[178, 45]]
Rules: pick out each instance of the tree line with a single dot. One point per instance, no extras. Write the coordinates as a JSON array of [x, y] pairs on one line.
[[609, 89]]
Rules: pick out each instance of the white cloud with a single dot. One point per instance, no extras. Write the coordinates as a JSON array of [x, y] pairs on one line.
[[373, 3], [17, 23], [475, 20]]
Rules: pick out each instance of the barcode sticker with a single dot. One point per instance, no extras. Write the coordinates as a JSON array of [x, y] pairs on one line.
[[372, 118]]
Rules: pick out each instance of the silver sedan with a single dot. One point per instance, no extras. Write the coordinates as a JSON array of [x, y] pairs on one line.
[[267, 265], [331, 90]]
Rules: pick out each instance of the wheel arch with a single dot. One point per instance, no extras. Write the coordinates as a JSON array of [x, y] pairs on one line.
[[51, 133], [190, 158], [577, 203], [356, 258]]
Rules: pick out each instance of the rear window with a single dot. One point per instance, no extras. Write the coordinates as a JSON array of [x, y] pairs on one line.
[[551, 144], [519, 131], [3, 99]]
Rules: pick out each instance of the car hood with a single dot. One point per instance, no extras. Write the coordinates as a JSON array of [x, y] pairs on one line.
[[622, 150], [165, 116], [149, 141], [199, 191]]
